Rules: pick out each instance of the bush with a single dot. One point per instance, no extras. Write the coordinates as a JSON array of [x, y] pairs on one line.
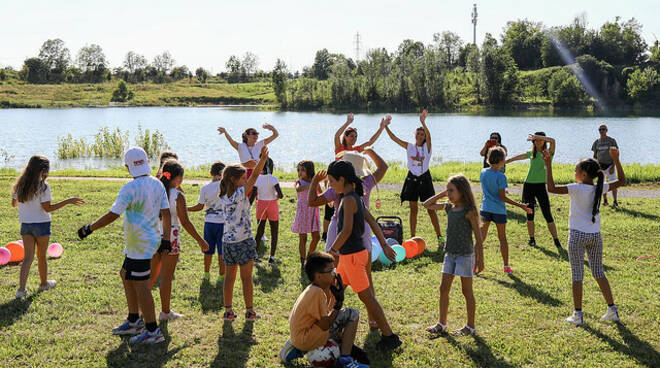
[[643, 85], [122, 94], [565, 89], [152, 143], [109, 143]]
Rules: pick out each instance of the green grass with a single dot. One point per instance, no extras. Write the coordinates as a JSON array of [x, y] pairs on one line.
[[181, 93], [519, 317]]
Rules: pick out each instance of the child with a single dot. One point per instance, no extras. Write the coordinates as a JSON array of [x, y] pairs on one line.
[[268, 191], [143, 199], [318, 316], [32, 195], [349, 245], [307, 218], [238, 246], [493, 206], [461, 257], [164, 156], [584, 226], [171, 177], [214, 222]]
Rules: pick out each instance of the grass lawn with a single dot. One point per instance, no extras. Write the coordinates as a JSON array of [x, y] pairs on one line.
[[519, 317]]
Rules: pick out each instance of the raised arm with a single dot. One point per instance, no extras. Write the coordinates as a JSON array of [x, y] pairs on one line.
[[552, 142], [374, 137], [48, 207], [521, 156], [274, 134], [431, 203], [263, 156], [182, 213], [552, 188], [315, 199], [381, 165], [340, 131], [232, 142], [427, 133], [508, 200], [396, 139], [620, 175]]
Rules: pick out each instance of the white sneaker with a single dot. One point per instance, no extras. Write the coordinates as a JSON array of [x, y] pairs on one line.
[[127, 328], [611, 315], [20, 294], [171, 316], [48, 285], [577, 318], [264, 238]]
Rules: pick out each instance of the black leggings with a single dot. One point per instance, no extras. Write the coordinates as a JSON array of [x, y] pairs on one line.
[[536, 191]]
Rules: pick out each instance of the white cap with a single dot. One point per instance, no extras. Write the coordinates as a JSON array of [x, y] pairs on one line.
[[136, 160]]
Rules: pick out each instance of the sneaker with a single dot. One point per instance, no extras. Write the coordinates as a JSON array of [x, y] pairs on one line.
[[171, 316], [48, 285], [441, 241], [531, 242], [612, 314], [146, 337], [508, 270], [229, 316], [349, 362], [128, 328], [289, 352], [615, 204], [252, 316], [271, 261], [558, 244], [20, 294], [389, 342], [577, 318], [206, 276], [264, 238], [360, 355]]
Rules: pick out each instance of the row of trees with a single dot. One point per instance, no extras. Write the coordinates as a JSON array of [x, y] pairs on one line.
[[531, 63], [54, 64]]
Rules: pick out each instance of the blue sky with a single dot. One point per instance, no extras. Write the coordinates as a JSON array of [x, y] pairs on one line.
[[206, 33]]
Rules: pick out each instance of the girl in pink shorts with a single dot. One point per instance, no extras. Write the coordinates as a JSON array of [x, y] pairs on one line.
[[268, 192]]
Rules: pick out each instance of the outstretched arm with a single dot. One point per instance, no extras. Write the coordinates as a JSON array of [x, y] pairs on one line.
[[349, 120], [374, 137], [48, 207], [396, 139], [521, 156], [552, 188], [232, 142], [272, 136], [315, 199]]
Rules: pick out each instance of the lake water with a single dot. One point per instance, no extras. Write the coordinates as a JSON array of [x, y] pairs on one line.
[[191, 132]]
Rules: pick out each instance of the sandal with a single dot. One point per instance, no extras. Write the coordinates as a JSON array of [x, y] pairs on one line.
[[438, 328], [252, 316], [465, 331], [229, 316]]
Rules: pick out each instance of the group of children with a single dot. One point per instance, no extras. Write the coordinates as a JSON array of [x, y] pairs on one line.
[[155, 210]]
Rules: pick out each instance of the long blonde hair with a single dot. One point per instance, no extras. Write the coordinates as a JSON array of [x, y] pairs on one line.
[[32, 182], [463, 186], [230, 174]]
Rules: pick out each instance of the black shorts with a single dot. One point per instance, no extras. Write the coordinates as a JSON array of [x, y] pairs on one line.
[[137, 269], [417, 188], [328, 213]]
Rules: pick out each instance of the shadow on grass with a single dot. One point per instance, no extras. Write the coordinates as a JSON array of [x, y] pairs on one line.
[[13, 310], [481, 354], [303, 279], [527, 290], [517, 216], [234, 350], [563, 255], [639, 350], [210, 296], [377, 357], [634, 213], [268, 278], [126, 355]]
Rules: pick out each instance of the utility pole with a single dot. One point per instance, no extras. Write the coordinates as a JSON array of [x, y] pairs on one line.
[[474, 22], [358, 44]]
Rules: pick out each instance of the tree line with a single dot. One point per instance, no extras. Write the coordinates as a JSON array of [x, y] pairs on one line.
[[530, 63]]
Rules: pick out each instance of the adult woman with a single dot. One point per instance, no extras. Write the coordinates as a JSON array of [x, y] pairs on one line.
[[248, 150], [534, 186], [494, 141], [346, 142], [418, 185]]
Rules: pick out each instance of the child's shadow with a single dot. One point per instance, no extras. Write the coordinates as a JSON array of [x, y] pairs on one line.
[[562, 254], [482, 355], [126, 355], [378, 358], [639, 350], [527, 290], [234, 350], [210, 296], [13, 310], [303, 279], [517, 216], [634, 213], [268, 278]]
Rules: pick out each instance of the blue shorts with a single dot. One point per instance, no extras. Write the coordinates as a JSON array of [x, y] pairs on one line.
[[213, 235], [459, 265], [37, 230], [492, 217]]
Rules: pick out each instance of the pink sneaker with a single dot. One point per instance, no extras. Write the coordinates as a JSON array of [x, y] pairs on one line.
[[508, 270]]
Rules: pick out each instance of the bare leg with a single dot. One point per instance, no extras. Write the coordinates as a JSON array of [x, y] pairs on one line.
[[29, 244], [553, 229], [484, 230], [413, 217], [246, 280], [614, 194], [445, 287], [228, 285], [372, 321], [145, 300], [155, 269], [605, 289], [129, 291], [302, 244], [221, 265], [577, 294], [470, 303], [261, 228], [434, 220], [274, 228], [348, 337], [530, 228], [169, 265], [207, 262], [315, 240], [374, 309], [504, 244], [42, 247]]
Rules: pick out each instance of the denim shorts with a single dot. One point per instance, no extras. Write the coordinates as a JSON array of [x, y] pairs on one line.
[[459, 265], [37, 230], [492, 217], [239, 253]]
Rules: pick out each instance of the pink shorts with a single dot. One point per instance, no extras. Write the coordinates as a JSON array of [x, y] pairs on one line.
[[268, 210]]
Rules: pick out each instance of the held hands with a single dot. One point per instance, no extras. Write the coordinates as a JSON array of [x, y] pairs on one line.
[[423, 115], [525, 207], [384, 122], [338, 292], [84, 231], [349, 118], [203, 245], [75, 200]]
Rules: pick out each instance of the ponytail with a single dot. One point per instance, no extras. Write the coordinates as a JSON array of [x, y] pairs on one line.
[[346, 170], [599, 192], [171, 169], [230, 174]]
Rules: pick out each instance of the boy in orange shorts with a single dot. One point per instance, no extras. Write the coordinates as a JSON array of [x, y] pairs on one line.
[[268, 192]]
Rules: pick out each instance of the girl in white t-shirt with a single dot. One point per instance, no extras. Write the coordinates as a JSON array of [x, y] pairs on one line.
[[268, 192], [418, 185], [32, 195], [248, 150], [163, 262], [584, 226]]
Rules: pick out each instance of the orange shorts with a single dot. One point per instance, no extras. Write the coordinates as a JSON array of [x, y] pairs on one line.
[[353, 270], [268, 210]]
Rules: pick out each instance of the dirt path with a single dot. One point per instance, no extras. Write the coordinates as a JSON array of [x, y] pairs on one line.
[[623, 193]]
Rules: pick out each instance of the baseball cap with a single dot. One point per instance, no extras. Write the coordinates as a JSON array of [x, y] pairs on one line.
[[136, 160]]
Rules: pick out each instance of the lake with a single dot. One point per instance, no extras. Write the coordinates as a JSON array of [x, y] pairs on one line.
[[191, 132]]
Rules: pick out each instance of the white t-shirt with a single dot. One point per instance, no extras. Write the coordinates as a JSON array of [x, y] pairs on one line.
[[265, 185], [141, 199], [418, 159], [209, 197], [31, 211], [174, 195], [582, 203], [247, 153]]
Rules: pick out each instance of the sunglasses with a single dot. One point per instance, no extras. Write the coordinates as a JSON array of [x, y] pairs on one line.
[[253, 133], [602, 129], [332, 270]]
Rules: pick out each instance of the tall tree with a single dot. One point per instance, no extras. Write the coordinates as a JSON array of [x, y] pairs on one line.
[[56, 58], [91, 57], [163, 62], [449, 44], [523, 39], [134, 62], [250, 63], [279, 77]]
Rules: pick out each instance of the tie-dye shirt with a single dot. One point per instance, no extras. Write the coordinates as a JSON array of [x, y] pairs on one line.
[[141, 199], [236, 209]]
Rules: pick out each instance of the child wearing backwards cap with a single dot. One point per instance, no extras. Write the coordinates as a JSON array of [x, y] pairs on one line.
[[143, 199]]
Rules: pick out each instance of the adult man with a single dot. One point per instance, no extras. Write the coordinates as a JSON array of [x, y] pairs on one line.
[[601, 149]]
